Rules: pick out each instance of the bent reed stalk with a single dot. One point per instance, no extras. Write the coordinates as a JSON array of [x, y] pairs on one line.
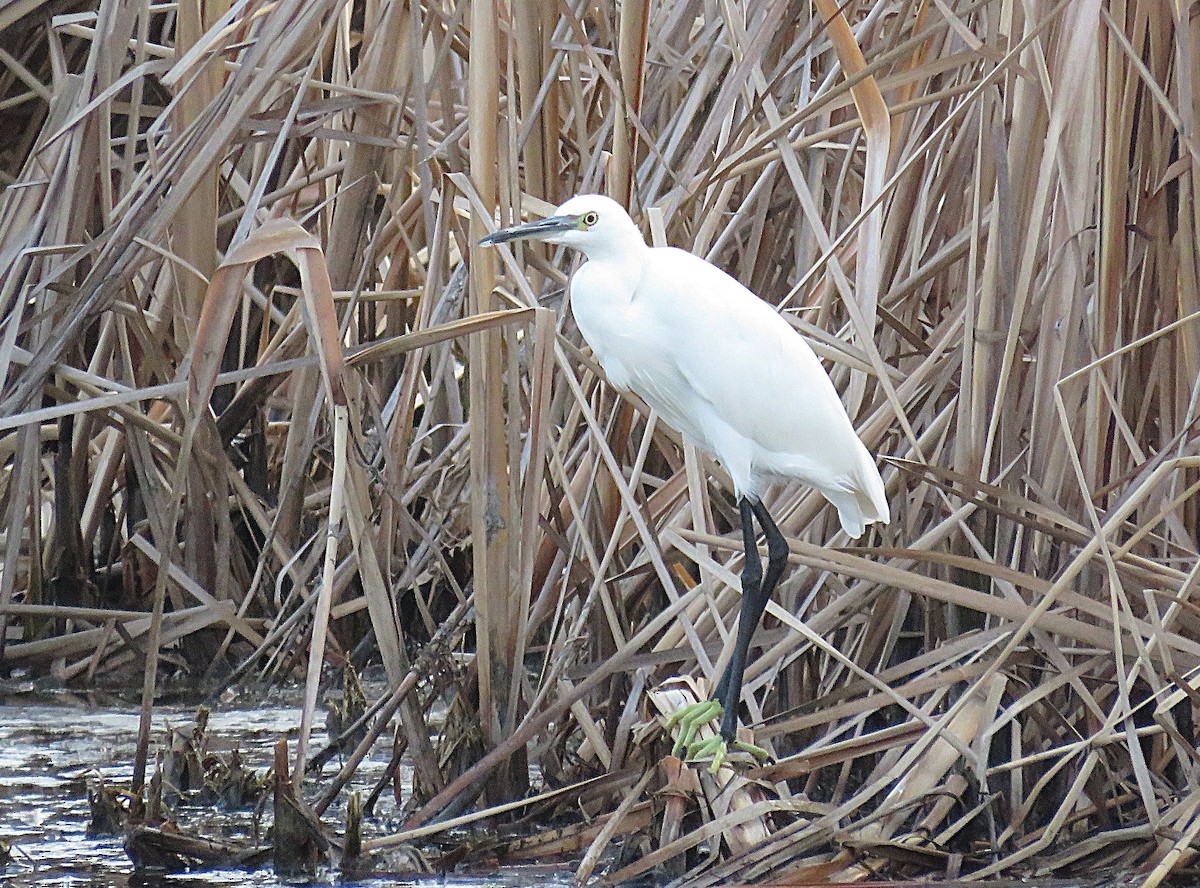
[[983, 217]]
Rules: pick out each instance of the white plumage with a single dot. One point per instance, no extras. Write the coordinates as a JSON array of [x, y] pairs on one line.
[[717, 363], [722, 367]]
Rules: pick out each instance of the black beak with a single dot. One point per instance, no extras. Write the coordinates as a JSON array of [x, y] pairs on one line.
[[539, 230]]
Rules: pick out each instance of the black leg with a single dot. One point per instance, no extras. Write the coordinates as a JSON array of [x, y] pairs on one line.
[[756, 591], [751, 580], [777, 551]]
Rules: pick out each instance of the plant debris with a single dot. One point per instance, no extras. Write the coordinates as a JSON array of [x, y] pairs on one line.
[[268, 414]]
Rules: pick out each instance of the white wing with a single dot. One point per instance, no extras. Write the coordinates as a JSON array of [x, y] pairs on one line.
[[742, 358], [724, 368]]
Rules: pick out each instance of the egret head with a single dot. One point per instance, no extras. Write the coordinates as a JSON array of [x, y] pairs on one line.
[[591, 223]]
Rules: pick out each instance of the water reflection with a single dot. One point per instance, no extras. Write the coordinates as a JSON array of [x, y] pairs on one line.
[[49, 749]]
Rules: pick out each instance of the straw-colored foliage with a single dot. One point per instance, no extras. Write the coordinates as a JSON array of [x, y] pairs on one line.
[[259, 386]]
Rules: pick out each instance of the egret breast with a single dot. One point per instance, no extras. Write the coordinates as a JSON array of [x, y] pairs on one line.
[[626, 337]]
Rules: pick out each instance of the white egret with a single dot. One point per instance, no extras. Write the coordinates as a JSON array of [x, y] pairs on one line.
[[726, 370]]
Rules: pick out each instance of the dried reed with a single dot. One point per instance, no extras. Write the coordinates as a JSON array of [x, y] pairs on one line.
[[244, 314]]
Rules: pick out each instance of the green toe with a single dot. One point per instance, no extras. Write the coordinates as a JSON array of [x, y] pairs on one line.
[[695, 714], [757, 751], [689, 720], [706, 749]]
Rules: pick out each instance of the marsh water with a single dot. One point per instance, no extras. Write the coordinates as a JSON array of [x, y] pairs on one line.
[[51, 746]]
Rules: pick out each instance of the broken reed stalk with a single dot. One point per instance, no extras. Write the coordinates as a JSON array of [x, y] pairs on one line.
[[387, 707], [972, 249], [210, 336], [316, 646]]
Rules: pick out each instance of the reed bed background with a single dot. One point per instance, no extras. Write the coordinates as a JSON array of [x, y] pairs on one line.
[[263, 400]]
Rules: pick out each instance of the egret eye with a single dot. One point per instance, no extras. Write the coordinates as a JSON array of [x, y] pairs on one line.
[[590, 219]]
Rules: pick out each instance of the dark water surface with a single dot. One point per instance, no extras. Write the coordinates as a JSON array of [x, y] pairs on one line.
[[49, 747]]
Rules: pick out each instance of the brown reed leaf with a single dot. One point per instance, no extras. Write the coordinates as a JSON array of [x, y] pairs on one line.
[[982, 215]]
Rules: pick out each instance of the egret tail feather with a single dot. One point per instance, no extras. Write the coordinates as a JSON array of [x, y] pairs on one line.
[[861, 499], [870, 493], [850, 513]]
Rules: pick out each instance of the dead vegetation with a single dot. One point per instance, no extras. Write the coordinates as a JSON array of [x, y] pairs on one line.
[[261, 394]]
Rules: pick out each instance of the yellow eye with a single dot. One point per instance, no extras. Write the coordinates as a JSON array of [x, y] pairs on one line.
[[590, 219]]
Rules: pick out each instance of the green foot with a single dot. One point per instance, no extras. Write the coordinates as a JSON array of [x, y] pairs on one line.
[[690, 719]]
